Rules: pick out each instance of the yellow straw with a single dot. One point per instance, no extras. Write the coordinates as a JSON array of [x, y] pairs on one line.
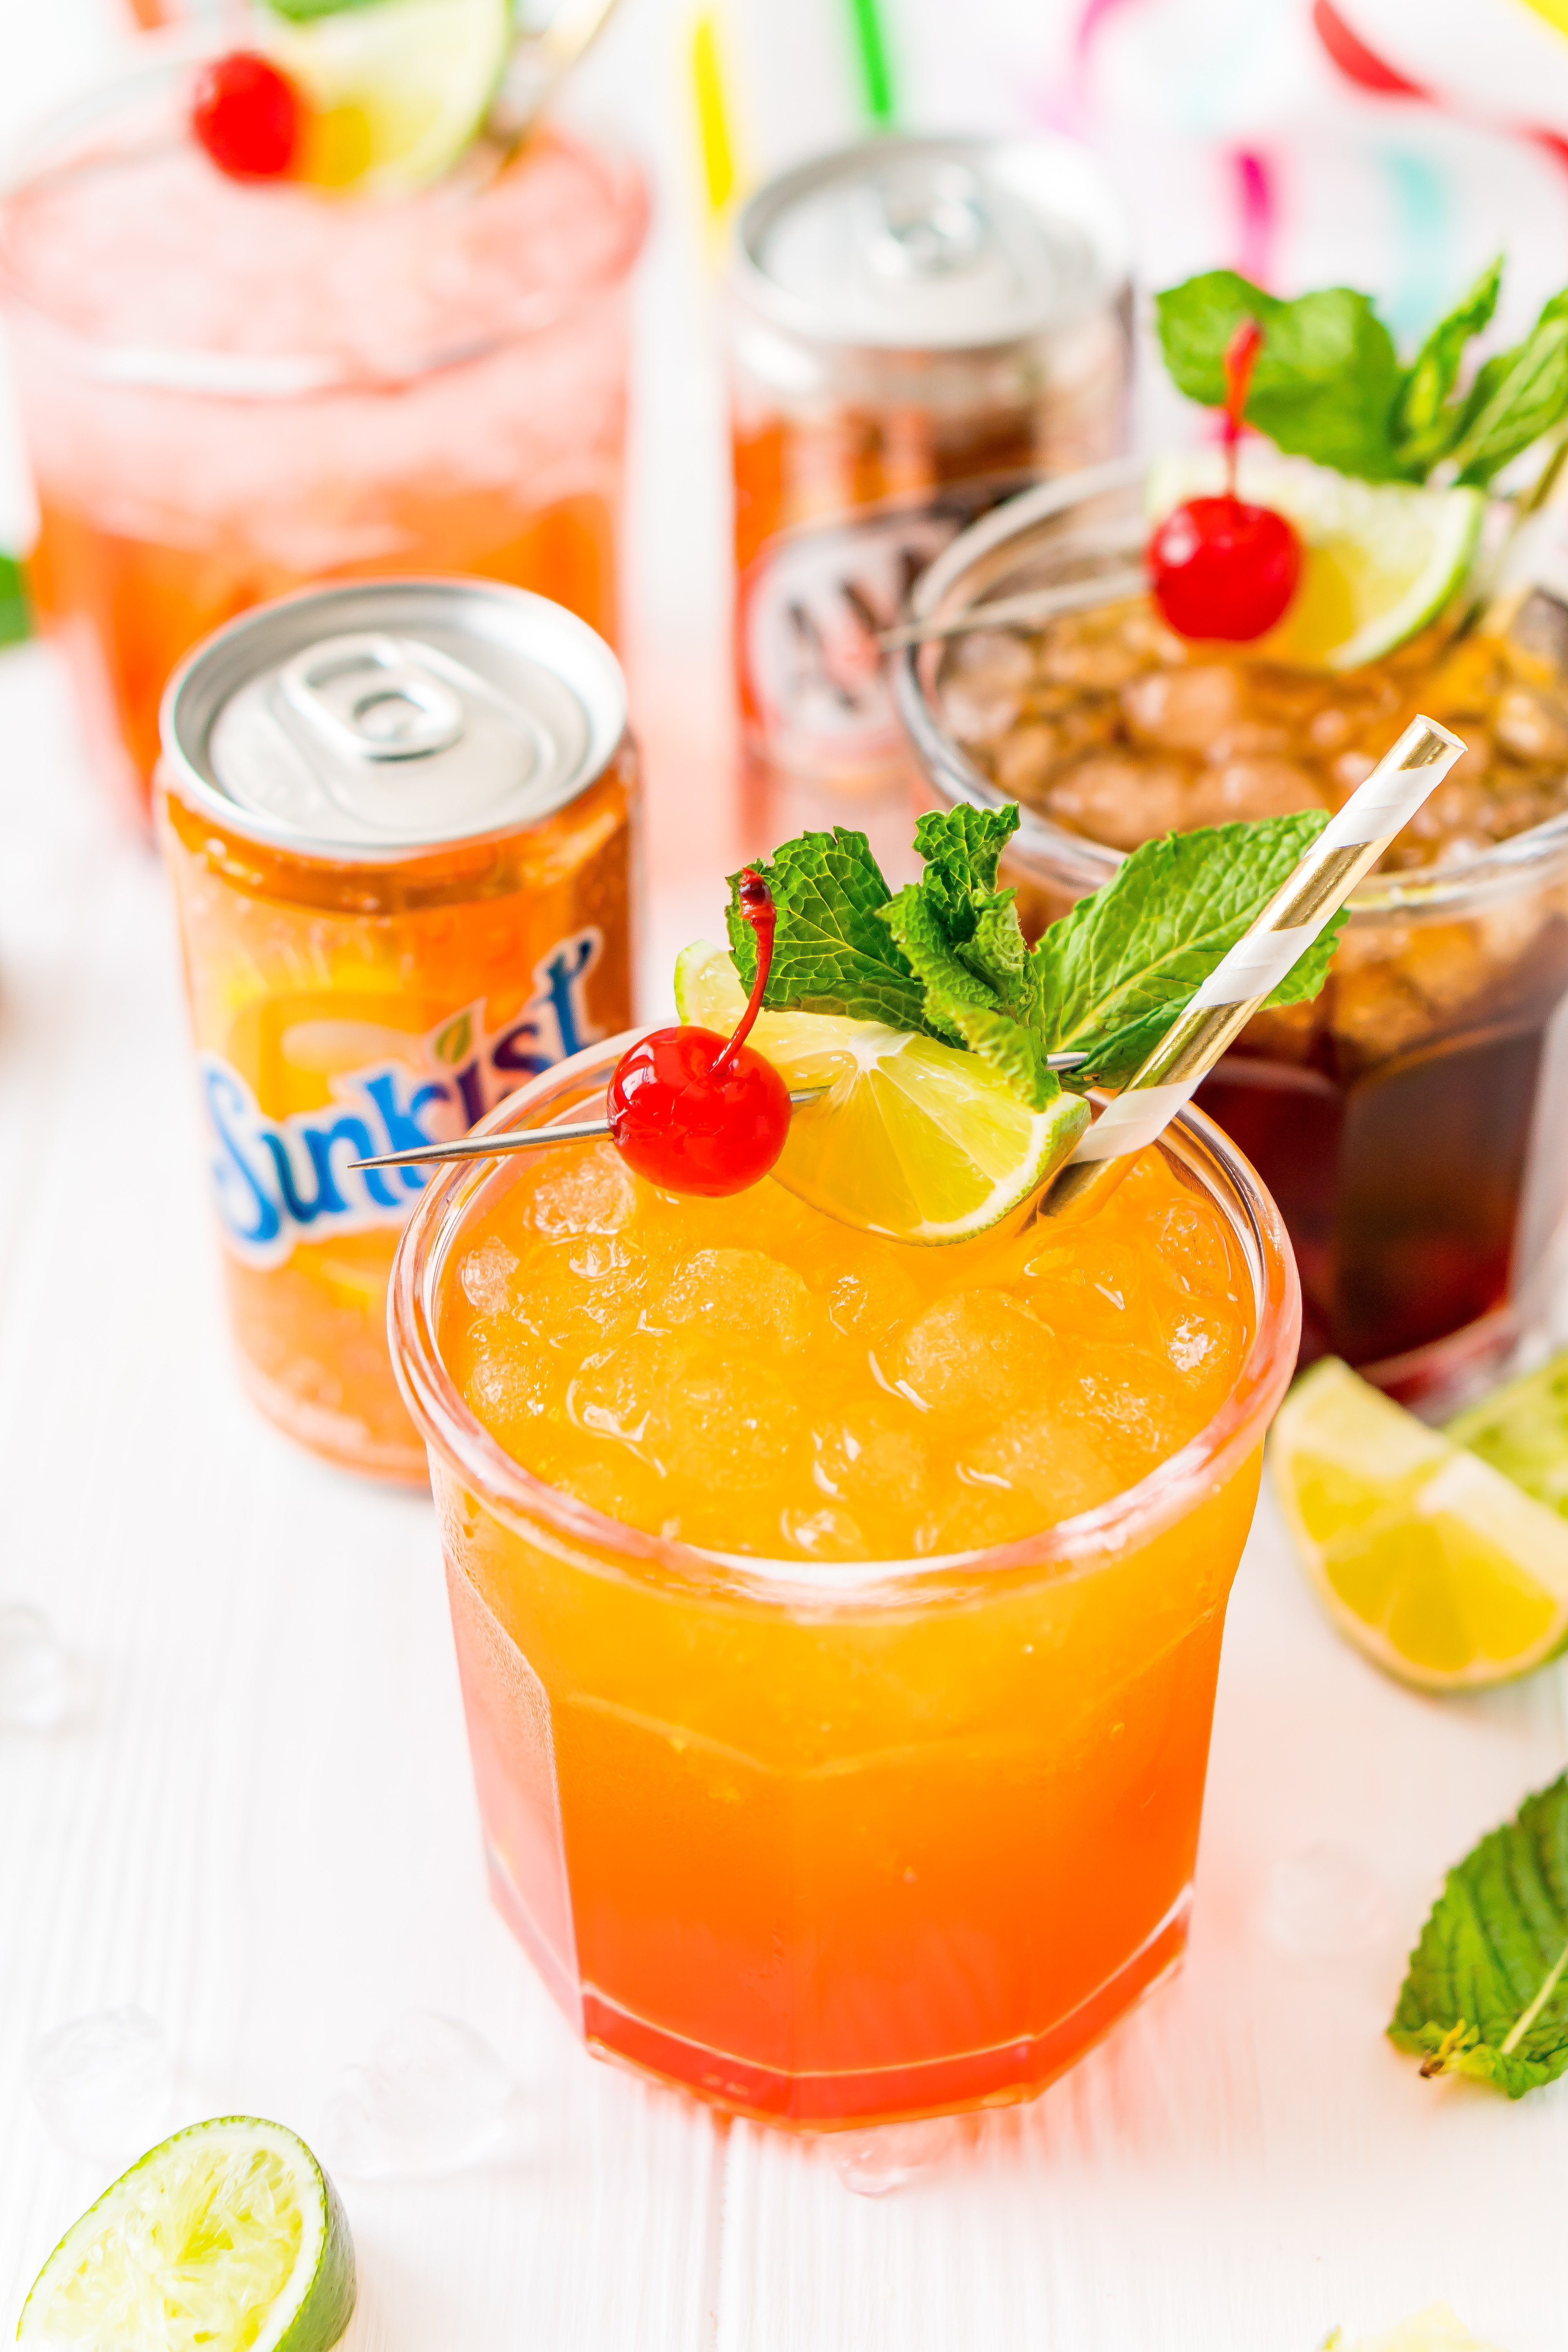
[[713, 116]]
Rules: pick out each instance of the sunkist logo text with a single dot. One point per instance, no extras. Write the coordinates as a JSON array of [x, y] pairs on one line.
[[278, 1181]]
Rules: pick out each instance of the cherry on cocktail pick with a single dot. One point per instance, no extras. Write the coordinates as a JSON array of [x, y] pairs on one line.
[[247, 115], [1218, 567], [695, 1112]]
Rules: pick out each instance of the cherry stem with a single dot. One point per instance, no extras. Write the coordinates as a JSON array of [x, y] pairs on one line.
[[1240, 359], [756, 908]]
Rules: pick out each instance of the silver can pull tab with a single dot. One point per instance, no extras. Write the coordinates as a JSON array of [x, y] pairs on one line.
[[374, 698], [929, 220]]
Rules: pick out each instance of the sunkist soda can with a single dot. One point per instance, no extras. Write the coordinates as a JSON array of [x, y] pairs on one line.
[[400, 820], [917, 327]]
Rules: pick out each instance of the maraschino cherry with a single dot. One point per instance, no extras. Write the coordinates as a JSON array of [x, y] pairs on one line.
[[1220, 568], [695, 1112], [247, 116]]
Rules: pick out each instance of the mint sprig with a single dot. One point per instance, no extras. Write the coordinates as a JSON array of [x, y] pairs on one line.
[[1329, 384], [1486, 1994], [946, 957]]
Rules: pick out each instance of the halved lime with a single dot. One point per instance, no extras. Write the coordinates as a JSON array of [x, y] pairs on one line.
[[396, 92], [1433, 1563], [229, 2236], [1381, 559], [916, 1139], [1523, 1431]]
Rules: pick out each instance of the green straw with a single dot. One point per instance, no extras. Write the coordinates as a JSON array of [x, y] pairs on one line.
[[871, 52]]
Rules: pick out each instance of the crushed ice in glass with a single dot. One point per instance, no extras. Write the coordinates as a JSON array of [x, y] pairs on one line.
[[433, 2098], [874, 2163], [103, 2084], [1324, 1904], [38, 1675]]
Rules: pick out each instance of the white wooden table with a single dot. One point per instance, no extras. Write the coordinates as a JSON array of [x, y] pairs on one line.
[[261, 1830]]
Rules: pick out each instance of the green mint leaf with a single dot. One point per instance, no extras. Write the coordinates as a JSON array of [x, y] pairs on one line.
[[1516, 397], [15, 613], [1328, 378], [1110, 977], [961, 1006], [831, 953], [1487, 1992], [963, 847], [1426, 423]]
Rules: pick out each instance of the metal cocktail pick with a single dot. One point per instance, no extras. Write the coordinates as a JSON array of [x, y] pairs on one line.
[[523, 1139], [1240, 984]]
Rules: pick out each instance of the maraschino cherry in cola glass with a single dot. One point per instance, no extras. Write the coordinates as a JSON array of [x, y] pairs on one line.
[[233, 383], [839, 1735]]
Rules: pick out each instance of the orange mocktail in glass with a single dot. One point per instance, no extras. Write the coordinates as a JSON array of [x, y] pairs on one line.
[[232, 389], [839, 1619]]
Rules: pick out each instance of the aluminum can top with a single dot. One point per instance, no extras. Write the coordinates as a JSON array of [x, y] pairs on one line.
[[934, 244], [378, 720]]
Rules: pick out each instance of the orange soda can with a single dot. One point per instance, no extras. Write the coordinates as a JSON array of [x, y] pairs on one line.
[[400, 819]]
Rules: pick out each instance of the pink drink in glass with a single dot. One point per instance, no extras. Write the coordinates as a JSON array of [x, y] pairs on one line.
[[229, 390]]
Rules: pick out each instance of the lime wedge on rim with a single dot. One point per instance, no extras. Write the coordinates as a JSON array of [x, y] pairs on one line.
[[1381, 559], [1523, 1431], [396, 92], [1438, 1568], [918, 1140], [229, 2235]]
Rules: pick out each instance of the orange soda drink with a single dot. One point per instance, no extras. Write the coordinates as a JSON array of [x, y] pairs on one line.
[[839, 1618], [231, 389], [398, 825]]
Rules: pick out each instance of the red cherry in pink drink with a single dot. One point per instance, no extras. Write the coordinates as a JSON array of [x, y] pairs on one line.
[[1217, 567], [247, 115], [1222, 569], [695, 1112]]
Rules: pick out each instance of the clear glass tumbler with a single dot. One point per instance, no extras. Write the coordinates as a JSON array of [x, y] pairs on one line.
[[695, 1769], [229, 390]]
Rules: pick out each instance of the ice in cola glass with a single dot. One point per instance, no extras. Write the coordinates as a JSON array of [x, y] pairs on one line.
[[839, 1683], [1407, 1120], [231, 389]]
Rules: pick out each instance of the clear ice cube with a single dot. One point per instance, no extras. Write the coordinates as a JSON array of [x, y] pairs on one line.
[[485, 1277], [433, 2098], [103, 2084], [1324, 1903], [590, 1194], [38, 1674], [743, 1293], [874, 2163]]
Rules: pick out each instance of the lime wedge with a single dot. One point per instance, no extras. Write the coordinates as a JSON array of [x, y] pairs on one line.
[[1523, 1431], [396, 92], [1432, 1563], [1381, 559], [229, 2236], [918, 1140]]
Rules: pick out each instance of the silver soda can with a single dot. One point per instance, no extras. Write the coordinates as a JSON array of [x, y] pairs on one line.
[[916, 327], [400, 820]]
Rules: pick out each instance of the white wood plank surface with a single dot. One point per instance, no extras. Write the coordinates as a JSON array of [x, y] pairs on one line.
[[261, 1830]]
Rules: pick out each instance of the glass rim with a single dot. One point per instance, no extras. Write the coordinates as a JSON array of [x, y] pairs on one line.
[[270, 376], [1080, 863], [528, 1505]]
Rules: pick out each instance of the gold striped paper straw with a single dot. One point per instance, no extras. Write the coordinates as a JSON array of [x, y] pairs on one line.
[[1243, 980]]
